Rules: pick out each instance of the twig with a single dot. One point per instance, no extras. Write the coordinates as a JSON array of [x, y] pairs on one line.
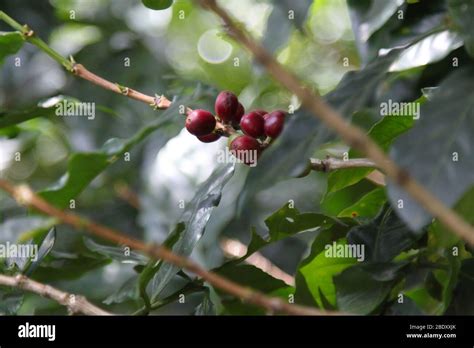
[[74, 303], [79, 70], [352, 135], [234, 248], [330, 164], [25, 196]]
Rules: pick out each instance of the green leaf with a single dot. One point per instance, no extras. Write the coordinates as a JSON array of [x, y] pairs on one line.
[[250, 276], [10, 43], [358, 292], [158, 4], [46, 246], [116, 253], [195, 218], [462, 303], [128, 291], [84, 167], [384, 237], [288, 221], [462, 14], [428, 151], [320, 267], [368, 206], [430, 49]]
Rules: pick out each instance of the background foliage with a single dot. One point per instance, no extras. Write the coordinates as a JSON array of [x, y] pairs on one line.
[[358, 53]]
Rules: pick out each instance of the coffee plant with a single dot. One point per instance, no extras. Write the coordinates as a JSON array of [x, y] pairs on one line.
[[157, 157]]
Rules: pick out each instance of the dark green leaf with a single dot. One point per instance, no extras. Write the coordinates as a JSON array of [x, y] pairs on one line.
[[158, 4], [384, 237], [429, 150], [194, 217], [358, 292], [253, 277], [462, 303], [10, 43]]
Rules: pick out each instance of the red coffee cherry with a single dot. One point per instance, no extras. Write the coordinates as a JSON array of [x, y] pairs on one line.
[[274, 123], [261, 112], [238, 114], [226, 106], [200, 122], [246, 149], [252, 124], [209, 138]]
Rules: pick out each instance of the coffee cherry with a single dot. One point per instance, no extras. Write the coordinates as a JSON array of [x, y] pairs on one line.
[[273, 124], [238, 115], [246, 149], [209, 138], [226, 106], [252, 124], [261, 112], [200, 122]]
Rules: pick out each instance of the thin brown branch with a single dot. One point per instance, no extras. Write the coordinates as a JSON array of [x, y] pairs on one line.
[[25, 196], [352, 135], [81, 71], [330, 164], [75, 304], [235, 249]]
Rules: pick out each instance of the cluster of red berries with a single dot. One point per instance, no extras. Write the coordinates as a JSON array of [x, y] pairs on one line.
[[259, 127]]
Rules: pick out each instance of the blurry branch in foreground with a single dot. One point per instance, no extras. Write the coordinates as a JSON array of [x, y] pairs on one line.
[[75, 304], [25, 196], [354, 136]]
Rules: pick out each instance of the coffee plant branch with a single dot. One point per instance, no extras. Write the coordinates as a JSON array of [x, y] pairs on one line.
[[75, 304], [352, 135], [25, 196]]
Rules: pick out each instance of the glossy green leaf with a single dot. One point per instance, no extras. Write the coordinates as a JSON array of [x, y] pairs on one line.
[[116, 253], [195, 217]]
